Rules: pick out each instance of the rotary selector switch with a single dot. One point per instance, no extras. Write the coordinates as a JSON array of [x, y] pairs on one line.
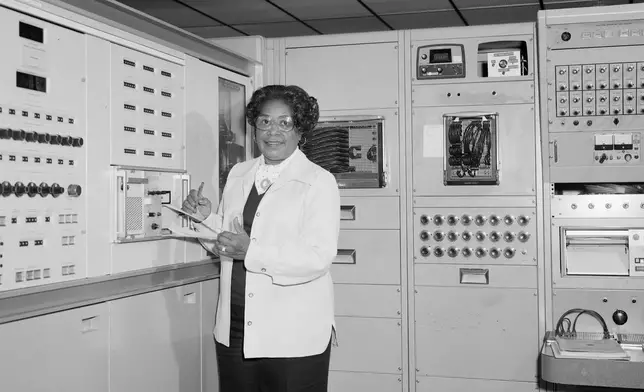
[[6, 189], [19, 189], [44, 189], [32, 189], [57, 190]]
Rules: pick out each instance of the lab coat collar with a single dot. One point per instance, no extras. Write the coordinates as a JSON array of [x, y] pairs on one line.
[[299, 169]]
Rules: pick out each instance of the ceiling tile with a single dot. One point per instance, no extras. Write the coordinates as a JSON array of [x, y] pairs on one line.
[[235, 12], [176, 14], [213, 31], [348, 25], [499, 15], [555, 4], [323, 9], [405, 6], [273, 30], [492, 3], [423, 20]]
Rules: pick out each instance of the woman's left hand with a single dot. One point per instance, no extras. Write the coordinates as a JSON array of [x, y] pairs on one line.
[[234, 245]]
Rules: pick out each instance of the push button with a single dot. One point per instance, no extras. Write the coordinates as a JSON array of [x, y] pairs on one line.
[[249, 323], [263, 269], [250, 295]]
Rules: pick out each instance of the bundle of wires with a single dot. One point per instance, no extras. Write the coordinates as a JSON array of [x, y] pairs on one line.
[[613, 189], [329, 148], [568, 329], [469, 147]]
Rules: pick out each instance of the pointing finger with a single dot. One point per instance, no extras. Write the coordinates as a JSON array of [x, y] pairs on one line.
[[200, 191]]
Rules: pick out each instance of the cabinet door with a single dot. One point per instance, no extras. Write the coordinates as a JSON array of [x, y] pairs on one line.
[[155, 341], [64, 351]]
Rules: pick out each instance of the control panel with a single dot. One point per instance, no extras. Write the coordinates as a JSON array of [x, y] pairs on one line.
[[147, 97], [471, 149], [608, 89], [440, 62], [491, 236], [617, 148], [139, 199], [42, 153]]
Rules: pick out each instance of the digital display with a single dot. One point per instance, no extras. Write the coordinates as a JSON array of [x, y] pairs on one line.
[[31, 32], [440, 56], [31, 82]]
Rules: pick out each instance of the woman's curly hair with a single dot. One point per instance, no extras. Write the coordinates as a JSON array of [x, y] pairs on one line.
[[304, 108]]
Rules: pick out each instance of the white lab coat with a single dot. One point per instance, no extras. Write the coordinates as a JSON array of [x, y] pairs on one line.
[[294, 239]]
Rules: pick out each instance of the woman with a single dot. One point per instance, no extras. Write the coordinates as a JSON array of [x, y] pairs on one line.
[[274, 322]]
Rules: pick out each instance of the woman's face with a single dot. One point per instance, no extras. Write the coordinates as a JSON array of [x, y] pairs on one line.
[[273, 138]]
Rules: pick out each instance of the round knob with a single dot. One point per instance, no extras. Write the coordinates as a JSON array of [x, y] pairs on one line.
[[508, 220], [508, 236], [18, 134], [31, 137], [438, 236], [466, 252], [480, 236], [6, 189], [480, 220], [494, 220], [452, 252], [494, 236], [509, 253], [55, 139], [424, 220], [57, 190], [523, 236], [466, 236], [424, 235], [452, 236], [628, 157], [154, 226], [523, 220], [32, 189], [78, 142], [466, 220], [480, 252], [620, 317], [438, 252], [74, 190], [452, 220], [66, 140], [424, 251], [44, 189], [495, 253], [43, 138], [19, 189], [438, 220], [5, 133]]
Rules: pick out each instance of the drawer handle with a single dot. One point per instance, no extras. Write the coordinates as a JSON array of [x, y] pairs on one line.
[[348, 213], [474, 275], [345, 256]]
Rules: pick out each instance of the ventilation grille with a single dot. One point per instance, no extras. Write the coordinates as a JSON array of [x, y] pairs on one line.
[[133, 214]]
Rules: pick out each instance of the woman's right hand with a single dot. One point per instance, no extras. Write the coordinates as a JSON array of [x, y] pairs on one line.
[[196, 203]]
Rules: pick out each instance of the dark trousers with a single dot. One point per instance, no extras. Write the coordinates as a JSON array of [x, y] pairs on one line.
[[238, 374]]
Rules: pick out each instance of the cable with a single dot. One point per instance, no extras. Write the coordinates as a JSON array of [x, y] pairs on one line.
[[571, 330]]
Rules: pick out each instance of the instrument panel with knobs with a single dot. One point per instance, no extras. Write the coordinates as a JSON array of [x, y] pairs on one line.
[[475, 235]]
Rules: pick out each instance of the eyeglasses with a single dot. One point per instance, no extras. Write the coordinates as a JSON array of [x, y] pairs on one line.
[[266, 123]]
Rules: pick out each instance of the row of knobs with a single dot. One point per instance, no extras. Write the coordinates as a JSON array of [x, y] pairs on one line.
[[602, 69], [43, 138], [480, 252], [603, 85], [32, 189], [452, 236], [479, 220]]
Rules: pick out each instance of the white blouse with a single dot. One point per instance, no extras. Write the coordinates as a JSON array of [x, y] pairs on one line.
[[267, 174]]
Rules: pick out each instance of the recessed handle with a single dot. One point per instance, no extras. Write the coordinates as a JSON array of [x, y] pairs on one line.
[[89, 324], [474, 275], [348, 213], [345, 256]]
